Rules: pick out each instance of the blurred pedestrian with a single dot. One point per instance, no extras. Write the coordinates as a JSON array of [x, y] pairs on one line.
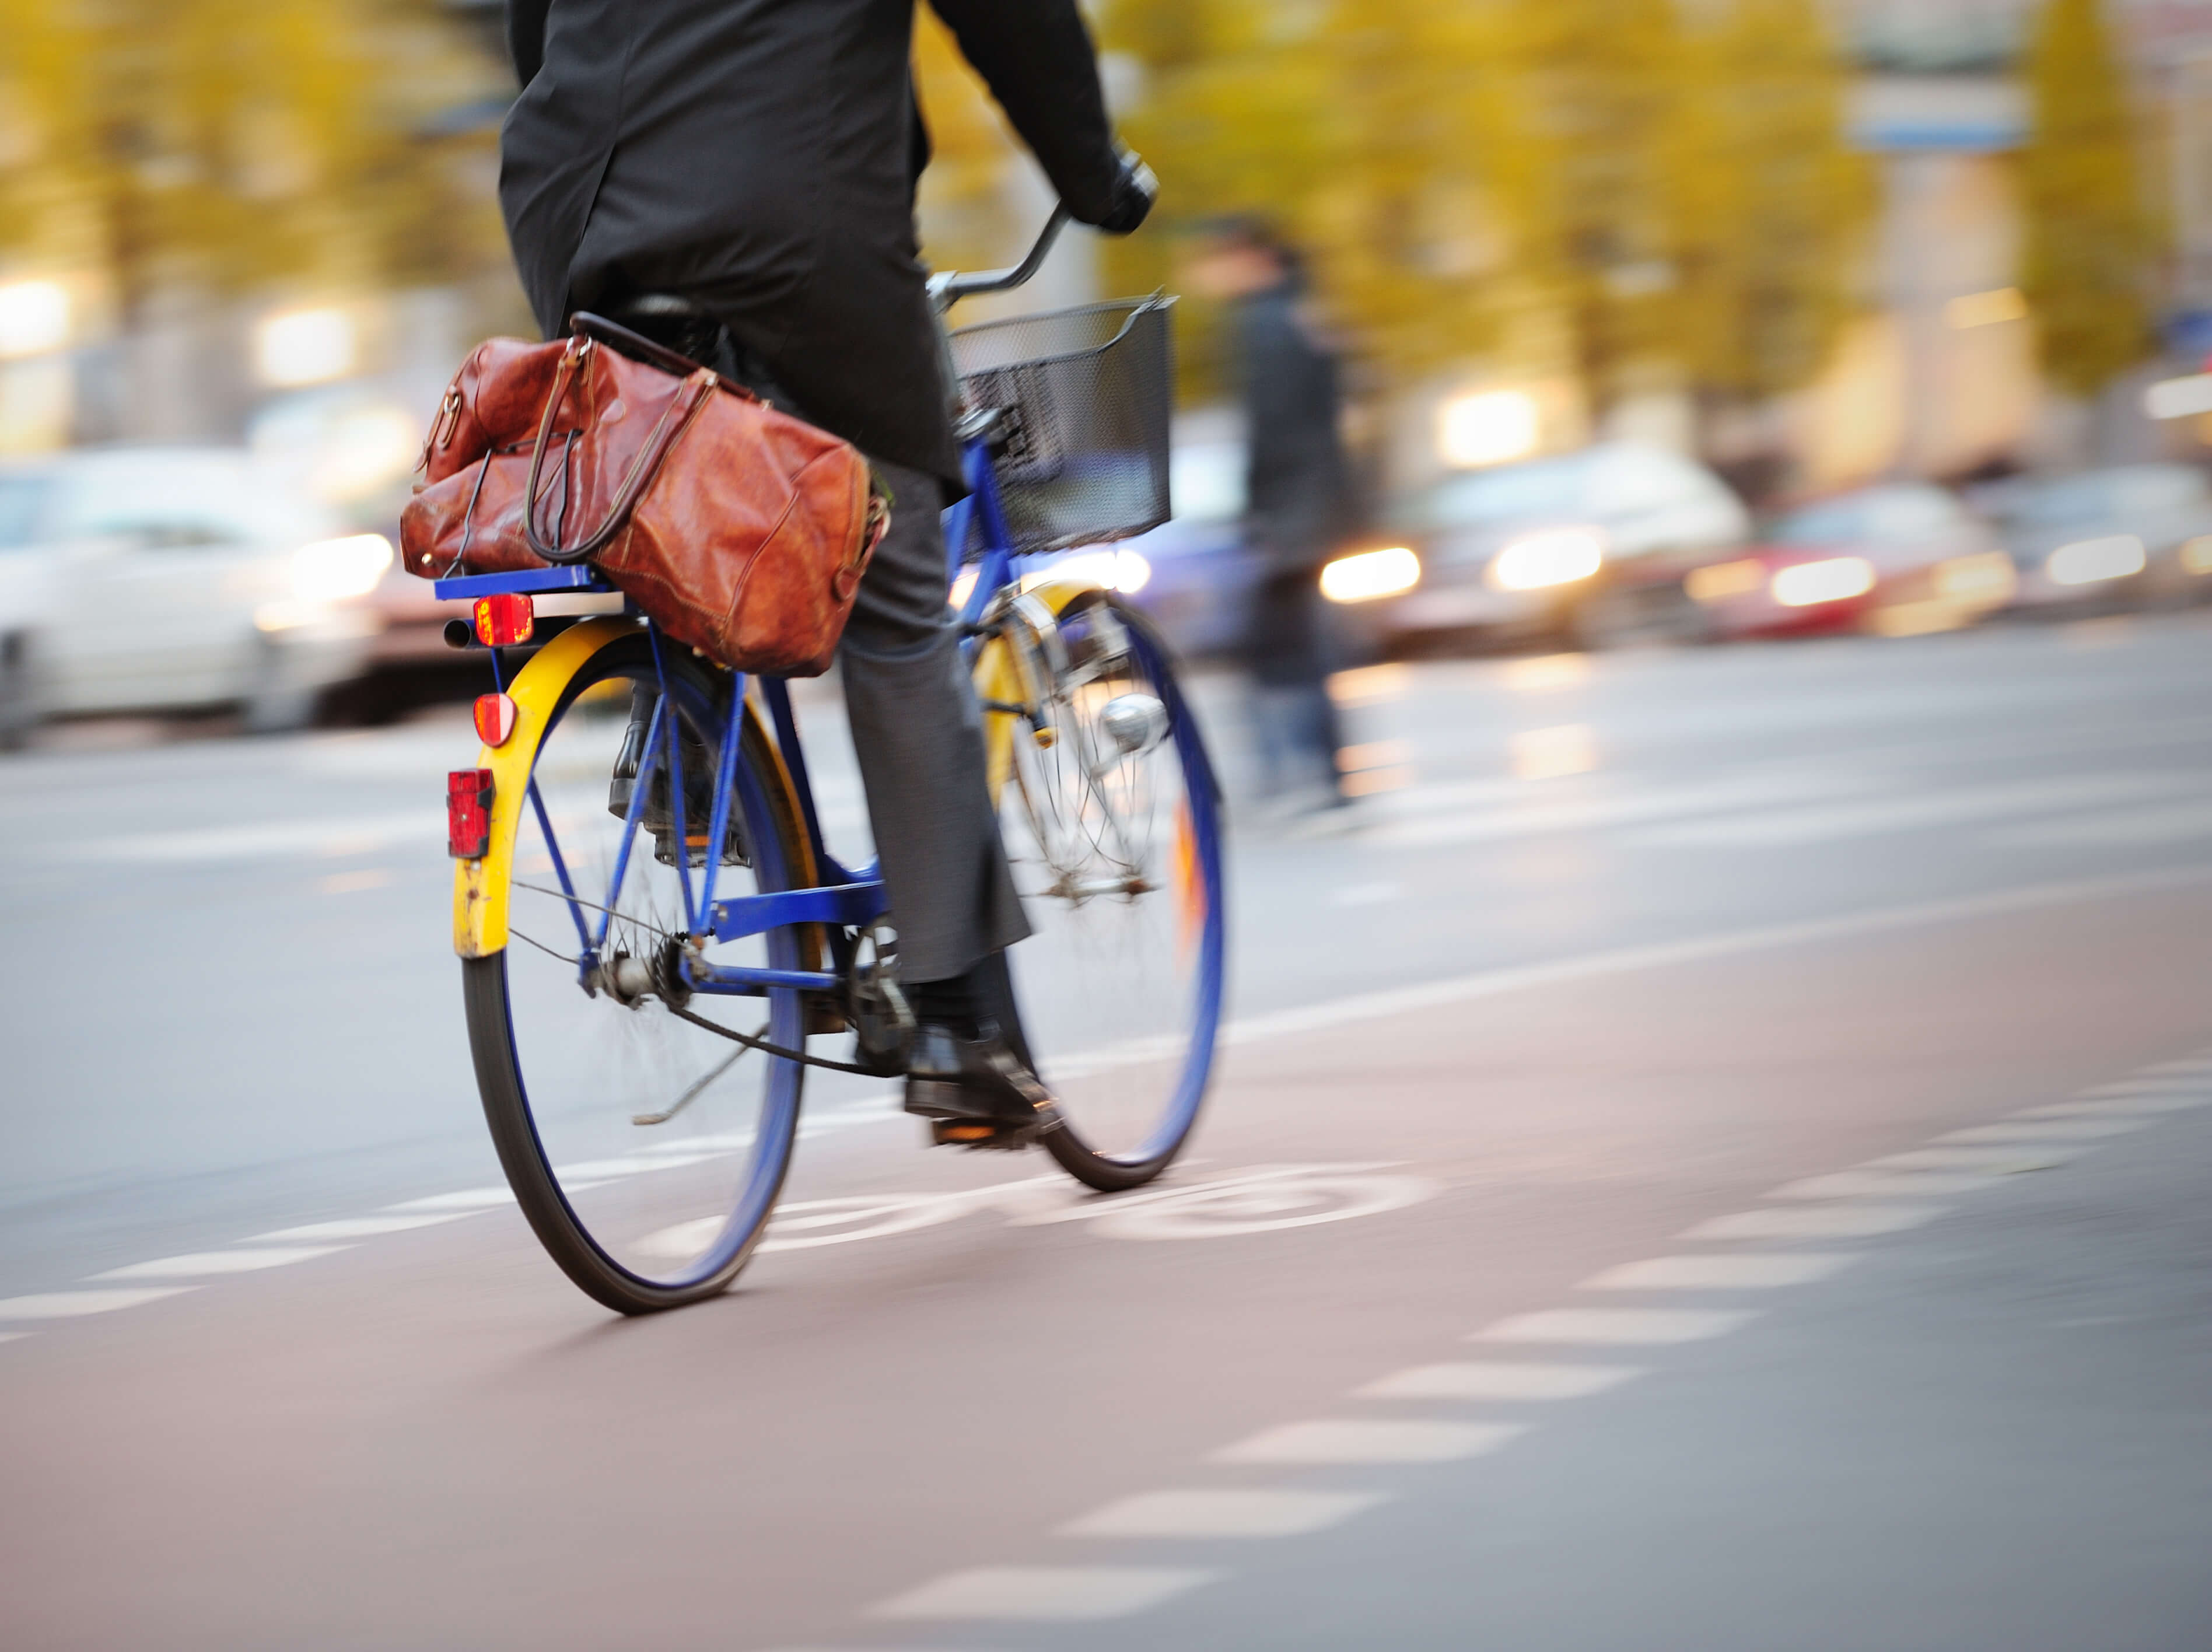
[[1299, 498]]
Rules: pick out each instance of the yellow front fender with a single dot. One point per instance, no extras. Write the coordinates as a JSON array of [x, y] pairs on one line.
[[480, 886], [998, 675]]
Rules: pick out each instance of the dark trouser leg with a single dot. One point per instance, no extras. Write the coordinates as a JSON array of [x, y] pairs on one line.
[[919, 736], [1286, 650]]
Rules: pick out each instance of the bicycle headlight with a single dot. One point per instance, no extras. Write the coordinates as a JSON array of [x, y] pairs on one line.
[[330, 570]]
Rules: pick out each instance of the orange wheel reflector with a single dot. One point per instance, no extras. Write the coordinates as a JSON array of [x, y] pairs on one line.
[[495, 716], [505, 620], [1190, 889]]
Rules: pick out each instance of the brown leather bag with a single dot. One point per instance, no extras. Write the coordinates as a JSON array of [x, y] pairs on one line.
[[738, 530]]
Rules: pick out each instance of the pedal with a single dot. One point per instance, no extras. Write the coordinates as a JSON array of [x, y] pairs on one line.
[[981, 1133]]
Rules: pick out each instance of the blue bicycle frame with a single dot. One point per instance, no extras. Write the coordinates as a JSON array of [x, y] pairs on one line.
[[850, 897]]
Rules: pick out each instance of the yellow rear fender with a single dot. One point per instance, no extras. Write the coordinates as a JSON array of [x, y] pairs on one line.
[[480, 886]]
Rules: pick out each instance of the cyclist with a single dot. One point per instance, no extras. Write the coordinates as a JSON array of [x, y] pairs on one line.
[[752, 163]]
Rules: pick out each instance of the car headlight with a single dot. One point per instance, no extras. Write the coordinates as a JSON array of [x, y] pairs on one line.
[[1368, 575], [330, 570], [1833, 578], [1558, 556], [1987, 576], [2197, 554], [1719, 581], [2085, 561]]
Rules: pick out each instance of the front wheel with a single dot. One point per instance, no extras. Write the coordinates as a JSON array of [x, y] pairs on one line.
[[1112, 825]]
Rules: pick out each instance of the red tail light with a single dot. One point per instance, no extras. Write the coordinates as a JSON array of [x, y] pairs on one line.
[[505, 620], [495, 714], [468, 813]]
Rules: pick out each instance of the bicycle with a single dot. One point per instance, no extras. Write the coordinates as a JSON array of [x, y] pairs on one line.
[[642, 822]]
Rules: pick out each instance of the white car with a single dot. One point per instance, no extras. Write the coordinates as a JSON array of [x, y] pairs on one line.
[[155, 579], [1565, 547]]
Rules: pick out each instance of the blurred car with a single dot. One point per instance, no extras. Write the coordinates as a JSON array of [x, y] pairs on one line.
[[2122, 537], [155, 578], [1591, 547], [1897, 557]]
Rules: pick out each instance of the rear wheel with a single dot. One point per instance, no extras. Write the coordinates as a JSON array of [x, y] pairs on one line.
[[1112, 826], [645, 1150]]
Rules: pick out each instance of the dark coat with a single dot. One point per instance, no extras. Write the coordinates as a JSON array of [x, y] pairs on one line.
[[1299, 499], [759, 157]]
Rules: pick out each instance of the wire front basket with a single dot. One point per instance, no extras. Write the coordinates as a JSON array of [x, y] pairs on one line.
[[1083, 398]]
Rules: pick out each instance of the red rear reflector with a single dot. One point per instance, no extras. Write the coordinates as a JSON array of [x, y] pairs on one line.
[[496, 717], [505, 620], [468, 813]]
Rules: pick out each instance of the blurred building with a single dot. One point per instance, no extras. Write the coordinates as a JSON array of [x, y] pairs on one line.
[[1941, 379]]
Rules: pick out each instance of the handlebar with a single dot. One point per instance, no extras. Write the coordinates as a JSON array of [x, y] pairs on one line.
[[948, 287]]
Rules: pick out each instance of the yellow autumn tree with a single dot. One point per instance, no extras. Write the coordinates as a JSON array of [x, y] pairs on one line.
[[2094, 250], [1771, 203], [1597, 88], [215, 145]]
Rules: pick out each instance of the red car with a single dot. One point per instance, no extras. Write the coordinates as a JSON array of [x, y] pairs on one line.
[[1898, 559]]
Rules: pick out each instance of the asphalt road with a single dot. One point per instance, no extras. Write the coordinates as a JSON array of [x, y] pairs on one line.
[[1710, 1155]]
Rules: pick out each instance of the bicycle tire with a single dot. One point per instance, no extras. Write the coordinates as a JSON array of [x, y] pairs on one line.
[[772, 826]]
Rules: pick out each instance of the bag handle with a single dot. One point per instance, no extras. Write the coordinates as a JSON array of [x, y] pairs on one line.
[[690, 396]]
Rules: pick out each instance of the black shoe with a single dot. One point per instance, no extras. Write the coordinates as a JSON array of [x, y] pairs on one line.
[[974, 1082]]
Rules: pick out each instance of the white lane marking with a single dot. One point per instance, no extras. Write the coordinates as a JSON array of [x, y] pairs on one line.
[[1045, 1593], [1256, 1206], [1498, 1379], [1594, 813], [608, 1169], [1844, 1221], [1768, 1273], [2029, 1130], [1223, 1514], [357, 1227], [1619, 1327], [2116, 1105], [1827, 822], [13, 1336], [2164, 1085], [469, 1199], [724, 1141], [1419, 995], [2002, 1161], [195, 1263], [1263, 1200], [1086, 1207], [2137, 828], [1875, 1184], [336, 834], [2186, 1064], [75, 1305], [1358, 1440]]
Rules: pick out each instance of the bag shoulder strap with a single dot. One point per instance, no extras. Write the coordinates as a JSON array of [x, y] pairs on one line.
[[699, 384]]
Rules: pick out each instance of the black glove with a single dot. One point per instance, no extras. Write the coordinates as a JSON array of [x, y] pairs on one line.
[[1134, 191]]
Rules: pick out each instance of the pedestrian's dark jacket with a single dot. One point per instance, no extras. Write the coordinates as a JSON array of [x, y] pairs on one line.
[[1300, 500], [759, 157]]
